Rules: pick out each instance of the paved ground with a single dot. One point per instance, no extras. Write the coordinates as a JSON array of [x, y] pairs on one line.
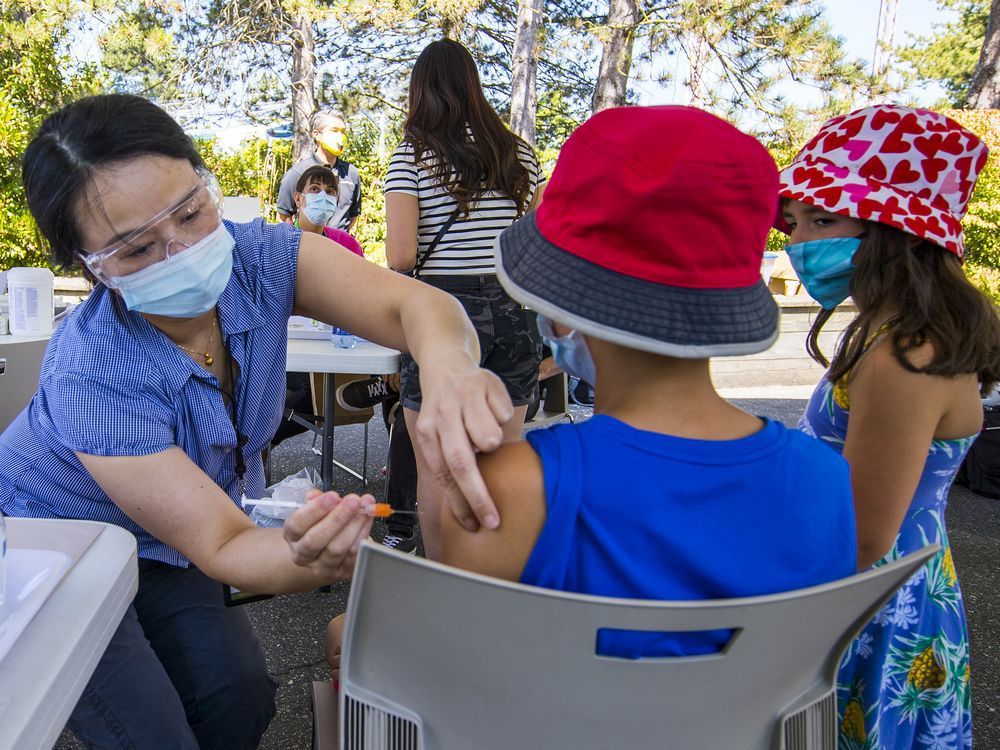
[[291, 627]]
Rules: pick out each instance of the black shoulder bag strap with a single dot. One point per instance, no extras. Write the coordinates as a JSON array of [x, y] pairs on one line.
[[434, 243]]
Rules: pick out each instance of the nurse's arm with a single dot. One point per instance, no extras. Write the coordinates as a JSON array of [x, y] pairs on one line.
[[169, 496], [463, 406]]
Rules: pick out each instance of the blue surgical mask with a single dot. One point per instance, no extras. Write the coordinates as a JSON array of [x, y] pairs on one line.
[[184, 285], [825, 267], [570, 352], [319, 208]]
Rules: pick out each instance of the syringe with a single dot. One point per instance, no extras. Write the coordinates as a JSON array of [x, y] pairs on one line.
[[378, 510]]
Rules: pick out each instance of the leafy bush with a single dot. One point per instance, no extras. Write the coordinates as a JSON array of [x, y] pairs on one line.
[[253, 170], [257, 167], [982, 223], [35, 84]]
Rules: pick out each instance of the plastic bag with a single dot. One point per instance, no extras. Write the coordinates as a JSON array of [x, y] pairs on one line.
[[292, 490]]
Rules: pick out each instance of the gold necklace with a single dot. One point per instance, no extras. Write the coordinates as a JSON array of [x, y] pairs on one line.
[[209, 359]]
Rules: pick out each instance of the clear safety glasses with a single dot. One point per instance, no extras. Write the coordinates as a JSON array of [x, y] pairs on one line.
[[172, 231]]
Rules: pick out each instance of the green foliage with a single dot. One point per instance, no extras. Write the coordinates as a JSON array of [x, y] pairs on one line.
[[369, 148], [36, 81], [257, 167], [140, 51], [556, 119], [982, 223], [949, 55]]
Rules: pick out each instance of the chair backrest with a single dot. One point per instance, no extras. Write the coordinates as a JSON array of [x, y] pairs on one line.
[[555, 405], [22, 361], [481, 663], [241, 208]]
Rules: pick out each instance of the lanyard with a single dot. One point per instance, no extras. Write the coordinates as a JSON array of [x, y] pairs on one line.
[[234, 416]]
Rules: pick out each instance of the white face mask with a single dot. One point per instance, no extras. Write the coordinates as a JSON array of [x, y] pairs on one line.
[[184, 285], [319, 208]]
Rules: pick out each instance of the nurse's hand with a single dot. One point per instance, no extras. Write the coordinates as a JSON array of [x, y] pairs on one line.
[[461, 413], [326, 533]]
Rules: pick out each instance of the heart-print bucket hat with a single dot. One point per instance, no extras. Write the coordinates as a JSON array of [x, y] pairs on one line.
[[909, 168]]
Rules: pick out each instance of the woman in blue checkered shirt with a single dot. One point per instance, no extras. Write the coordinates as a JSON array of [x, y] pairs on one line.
[[159, 392]]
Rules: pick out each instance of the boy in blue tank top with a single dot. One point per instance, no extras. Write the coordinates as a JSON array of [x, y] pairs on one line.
[[643, 262]]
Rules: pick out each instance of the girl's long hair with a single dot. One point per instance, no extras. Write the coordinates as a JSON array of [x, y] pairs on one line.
[[932, 301], [450, 119]]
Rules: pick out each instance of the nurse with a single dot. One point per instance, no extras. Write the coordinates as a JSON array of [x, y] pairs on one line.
[[159, 392]]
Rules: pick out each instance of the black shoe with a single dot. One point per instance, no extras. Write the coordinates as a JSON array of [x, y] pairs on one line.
[[405, 544], [534, 405], [582, 394], [359, 395]]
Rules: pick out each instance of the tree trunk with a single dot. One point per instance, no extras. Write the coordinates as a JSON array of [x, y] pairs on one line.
[[698, 63], [303, 81], [524, 67], [984, 90], [884, 37], [616, 59]]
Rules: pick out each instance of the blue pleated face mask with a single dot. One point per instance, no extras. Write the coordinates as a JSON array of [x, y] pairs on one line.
[[825, 267], [186, 284], [319, 208], [570, 352]]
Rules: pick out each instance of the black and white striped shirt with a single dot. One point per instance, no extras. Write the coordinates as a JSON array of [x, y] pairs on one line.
[[466, 249]]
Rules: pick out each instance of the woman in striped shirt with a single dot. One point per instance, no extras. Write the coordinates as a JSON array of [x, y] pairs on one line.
[[459, 178]]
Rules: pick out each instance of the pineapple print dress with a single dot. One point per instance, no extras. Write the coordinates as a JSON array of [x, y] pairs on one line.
[[904, 681]]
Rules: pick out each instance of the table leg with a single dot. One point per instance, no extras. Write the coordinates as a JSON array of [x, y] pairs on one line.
[[330, 393]]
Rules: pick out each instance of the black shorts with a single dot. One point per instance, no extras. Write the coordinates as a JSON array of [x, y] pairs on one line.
[[509, 342]]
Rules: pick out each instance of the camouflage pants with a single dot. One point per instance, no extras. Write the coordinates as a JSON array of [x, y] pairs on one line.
[[509, 342]]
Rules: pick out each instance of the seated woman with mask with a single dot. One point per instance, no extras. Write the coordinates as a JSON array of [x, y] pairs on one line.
[[316, 202]]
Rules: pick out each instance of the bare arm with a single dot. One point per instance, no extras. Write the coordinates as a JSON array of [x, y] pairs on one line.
[[169, 496], [463, 405], [402, 215], [513, 476], [536, 199], [895, 414]]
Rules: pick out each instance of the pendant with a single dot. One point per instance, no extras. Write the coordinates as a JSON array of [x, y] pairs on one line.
[[209, 360]]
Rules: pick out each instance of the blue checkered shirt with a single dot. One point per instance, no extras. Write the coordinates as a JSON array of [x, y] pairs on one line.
[[111, 384]]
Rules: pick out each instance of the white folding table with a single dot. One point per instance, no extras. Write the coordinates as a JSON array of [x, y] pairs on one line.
[[320, 355], [49, 664]]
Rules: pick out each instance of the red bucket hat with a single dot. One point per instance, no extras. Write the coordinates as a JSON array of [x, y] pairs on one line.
[[651, 235], [910, 168]]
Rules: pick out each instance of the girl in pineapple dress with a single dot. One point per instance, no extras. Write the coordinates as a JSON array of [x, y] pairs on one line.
[[873, 206]]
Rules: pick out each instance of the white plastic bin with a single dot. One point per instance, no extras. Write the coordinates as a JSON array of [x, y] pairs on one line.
[[32, 304], [767, 265]]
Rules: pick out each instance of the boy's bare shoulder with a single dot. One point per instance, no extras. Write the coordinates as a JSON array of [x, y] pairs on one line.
[[513, 476], [511, 466]]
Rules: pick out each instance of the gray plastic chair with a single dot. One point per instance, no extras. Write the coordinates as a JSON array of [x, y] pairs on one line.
[[436, 658]]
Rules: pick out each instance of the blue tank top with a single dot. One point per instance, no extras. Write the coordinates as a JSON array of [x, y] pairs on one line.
[[643, 515]]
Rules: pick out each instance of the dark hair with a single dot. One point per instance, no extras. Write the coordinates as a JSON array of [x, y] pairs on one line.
[[76, 142], [933, 302], [321, 173], [450, 118]]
